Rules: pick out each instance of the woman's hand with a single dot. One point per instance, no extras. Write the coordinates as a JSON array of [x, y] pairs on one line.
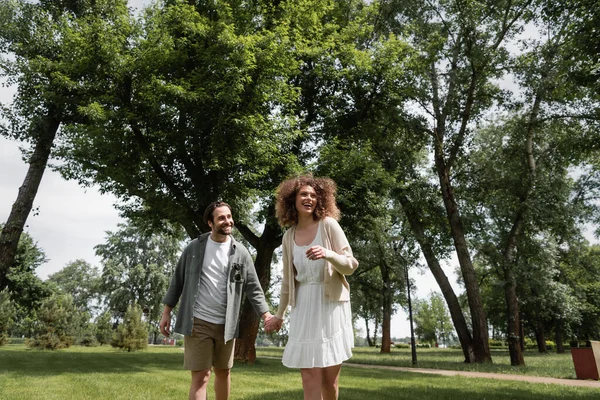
[[273, 324], [316, 253]]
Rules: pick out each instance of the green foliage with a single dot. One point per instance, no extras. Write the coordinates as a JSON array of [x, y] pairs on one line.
[[79, 279], [22, 278], [432, 322], [56, 325], [132, 333], [104, 328], [497, 344], [89, 340], [7, 315], [137, 263]]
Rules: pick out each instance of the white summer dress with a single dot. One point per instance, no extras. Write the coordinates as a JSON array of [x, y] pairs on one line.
[[320, 331]]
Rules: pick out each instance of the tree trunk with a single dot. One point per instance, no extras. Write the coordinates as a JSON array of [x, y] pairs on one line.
[[9, 238], [480, 344], [521, 331], [386, 340], [270, 239], [458, 318], [375, 329], [369, 341], [558, 338], [514, 323], [540, 336]]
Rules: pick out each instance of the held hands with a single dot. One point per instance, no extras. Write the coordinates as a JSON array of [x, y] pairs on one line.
[[316, 252], [273, 324]]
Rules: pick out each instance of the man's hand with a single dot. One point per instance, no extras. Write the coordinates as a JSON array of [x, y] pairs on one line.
[[273, 324], [165, 322]]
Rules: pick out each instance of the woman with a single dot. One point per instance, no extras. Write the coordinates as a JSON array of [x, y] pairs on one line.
[[316, 258]]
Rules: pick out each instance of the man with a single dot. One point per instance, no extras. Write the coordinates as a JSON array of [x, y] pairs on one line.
[[213, 273]]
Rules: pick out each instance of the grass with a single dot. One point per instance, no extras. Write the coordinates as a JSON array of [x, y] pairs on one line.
[[105, 373], [551, 365]]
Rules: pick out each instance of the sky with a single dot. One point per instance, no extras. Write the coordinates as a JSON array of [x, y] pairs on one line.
[[69, 220]]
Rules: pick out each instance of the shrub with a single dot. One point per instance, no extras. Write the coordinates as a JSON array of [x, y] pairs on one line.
[[7, 313], [402, 345], [530, 343], [132, 334], [89, 340], [50, 341], [497, 344], [56, 318], [104, 330]]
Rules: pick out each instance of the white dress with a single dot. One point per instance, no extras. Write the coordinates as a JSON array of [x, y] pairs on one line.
[[320, 331]]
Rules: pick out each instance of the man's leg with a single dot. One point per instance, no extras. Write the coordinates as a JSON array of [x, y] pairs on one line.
[[198, 358], [222, 384], [199, 384], [311, 383]]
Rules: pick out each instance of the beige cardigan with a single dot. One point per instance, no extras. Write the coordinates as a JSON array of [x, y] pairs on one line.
[[339, 261]]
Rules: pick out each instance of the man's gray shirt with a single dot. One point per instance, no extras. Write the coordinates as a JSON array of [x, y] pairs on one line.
[[242, 279]]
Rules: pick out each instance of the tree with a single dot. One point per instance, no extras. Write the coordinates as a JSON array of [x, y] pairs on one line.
[[137, 263], [55, 50], [27, 290], [7, 314], [57, 323], [132, 333], [104, 328], [432, 321], [206, 108], [79, 279]]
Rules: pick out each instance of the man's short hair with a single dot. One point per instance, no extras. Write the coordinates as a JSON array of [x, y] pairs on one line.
[[208, 213]]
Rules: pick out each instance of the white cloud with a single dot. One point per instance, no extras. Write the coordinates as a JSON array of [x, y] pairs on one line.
[[70, 219]]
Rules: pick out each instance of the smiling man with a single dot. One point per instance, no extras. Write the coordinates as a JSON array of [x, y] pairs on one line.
[[213, 273]]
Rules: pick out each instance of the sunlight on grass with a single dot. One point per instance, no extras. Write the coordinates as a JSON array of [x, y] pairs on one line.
[[536, 364], [104, 373]]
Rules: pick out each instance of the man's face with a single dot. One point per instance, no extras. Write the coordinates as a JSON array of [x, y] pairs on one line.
[[222, 223]]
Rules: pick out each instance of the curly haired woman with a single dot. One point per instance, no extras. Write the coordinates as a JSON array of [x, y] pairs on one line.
[[316, 259]]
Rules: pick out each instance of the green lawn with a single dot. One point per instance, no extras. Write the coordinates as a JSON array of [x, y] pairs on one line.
[[105, 373], [551, 364]]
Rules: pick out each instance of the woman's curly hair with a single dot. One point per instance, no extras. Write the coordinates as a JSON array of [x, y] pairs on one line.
[[285, 207]]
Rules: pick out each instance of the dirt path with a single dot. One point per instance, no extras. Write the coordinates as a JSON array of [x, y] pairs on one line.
[[488, 375]]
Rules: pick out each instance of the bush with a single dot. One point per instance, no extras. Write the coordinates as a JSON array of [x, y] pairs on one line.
[[4, 339], [50, 341], [402, 345], [497, 344], [56, 323], [89, 340], [530, 343], [132, 334]]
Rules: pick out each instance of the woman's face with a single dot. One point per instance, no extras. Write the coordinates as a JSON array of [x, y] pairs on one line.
[[306, 200]]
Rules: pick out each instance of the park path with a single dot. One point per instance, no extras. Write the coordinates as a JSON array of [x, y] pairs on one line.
[[488, 375]]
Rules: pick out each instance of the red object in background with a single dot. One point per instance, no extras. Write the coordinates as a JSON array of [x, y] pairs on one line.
[[587, 360]]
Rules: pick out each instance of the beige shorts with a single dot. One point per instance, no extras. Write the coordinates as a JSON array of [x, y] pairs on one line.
[[206, 347]]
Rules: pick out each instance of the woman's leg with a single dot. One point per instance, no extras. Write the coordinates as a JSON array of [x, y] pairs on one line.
[[311, 383], [329, 382]]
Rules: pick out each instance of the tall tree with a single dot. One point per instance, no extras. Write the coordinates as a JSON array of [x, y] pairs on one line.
[[26, 289], [81, 280], [432, 320], [55, 47], [207, 108], [137, 264]]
